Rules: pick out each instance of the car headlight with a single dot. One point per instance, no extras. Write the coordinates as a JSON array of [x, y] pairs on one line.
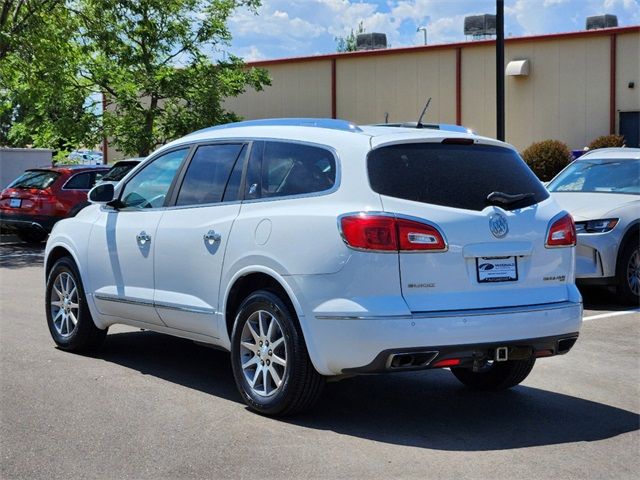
[[596, 226]]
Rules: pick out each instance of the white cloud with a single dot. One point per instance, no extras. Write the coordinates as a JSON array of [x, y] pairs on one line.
[[306, 27]]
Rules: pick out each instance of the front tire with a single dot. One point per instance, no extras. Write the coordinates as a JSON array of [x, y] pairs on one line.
[[629, 273], [497, 376], [68, 315], [269, 357]]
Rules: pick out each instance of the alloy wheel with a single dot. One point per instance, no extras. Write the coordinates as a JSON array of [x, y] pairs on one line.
[[263, 353], [633, 272], [64, 304]]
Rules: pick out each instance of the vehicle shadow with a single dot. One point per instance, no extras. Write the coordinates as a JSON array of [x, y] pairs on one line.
[[601, 298], [426, 409], [20, 255]]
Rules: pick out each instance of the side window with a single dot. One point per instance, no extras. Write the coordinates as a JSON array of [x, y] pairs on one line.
[[232, 192], [149, 188], [81, 181], [208, 174], [294, 169], [96, 177], [252, 182]]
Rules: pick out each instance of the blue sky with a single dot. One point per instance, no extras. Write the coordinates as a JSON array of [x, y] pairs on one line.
[[308, 27]]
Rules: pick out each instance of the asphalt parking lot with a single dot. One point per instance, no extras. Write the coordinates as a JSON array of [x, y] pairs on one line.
[[152, 406]]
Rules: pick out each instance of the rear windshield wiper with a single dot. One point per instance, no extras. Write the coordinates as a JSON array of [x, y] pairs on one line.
[[507, 198]]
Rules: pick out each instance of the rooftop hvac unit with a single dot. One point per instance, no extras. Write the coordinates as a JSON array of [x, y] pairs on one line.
[[602, 21], [480, 25], [371, 41]]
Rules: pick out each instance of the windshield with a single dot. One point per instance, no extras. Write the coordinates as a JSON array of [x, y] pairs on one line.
[[118, 172], [459, 176], [599, 176], [38, 179]]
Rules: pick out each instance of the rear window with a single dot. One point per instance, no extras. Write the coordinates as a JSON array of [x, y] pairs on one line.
[[458, 176], [38, 179]]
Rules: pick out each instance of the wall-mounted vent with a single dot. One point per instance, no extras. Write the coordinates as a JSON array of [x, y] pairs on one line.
[[480, 25], [602, 21], [371, 41]]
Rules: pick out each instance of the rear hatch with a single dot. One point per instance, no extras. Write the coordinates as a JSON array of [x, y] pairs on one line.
[[30, 193], [495, 252]]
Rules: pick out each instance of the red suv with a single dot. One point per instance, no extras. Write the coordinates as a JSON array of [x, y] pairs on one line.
[[36, 200]]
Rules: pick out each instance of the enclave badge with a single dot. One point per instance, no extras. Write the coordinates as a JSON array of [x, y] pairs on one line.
[[498, 225]]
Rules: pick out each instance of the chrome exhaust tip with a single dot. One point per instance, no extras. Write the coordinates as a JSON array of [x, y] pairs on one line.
[[409, 360]]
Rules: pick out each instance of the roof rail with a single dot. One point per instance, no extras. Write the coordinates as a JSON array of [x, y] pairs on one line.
[[330, 123], [433, 126]]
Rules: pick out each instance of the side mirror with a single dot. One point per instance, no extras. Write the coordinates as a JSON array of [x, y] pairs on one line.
[[102, 193]]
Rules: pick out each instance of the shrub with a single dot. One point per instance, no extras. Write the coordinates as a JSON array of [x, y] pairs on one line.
[[607, 141], [547, 158]]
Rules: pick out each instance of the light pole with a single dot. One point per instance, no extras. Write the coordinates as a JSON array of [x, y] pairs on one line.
[[500, 133], [424, 30]]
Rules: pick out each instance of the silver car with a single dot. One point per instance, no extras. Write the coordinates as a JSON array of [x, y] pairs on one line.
[[601, 190]]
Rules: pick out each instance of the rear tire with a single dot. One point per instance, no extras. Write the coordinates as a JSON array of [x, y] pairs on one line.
[[269, 357], [499, 376], [68, 315], [33, 237], [629, 272]]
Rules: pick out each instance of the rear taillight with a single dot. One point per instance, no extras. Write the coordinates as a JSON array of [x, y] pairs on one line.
[[387, 233], [562, 233]]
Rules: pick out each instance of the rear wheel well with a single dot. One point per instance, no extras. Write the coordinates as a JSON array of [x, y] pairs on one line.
[[244, 286], [56, 254]]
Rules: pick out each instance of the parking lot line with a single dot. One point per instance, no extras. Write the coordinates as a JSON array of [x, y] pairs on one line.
[[612, 314]]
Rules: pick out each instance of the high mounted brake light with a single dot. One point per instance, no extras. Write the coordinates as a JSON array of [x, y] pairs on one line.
[[387, 233]]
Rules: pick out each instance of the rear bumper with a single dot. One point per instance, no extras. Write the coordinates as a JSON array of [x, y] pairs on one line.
[[27, 222], [362, 344], [420, 358]]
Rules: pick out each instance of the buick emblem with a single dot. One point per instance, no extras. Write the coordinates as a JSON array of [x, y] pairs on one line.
[[498, 225]]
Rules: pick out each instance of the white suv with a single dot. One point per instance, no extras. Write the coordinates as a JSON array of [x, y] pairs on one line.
[[316, 248]]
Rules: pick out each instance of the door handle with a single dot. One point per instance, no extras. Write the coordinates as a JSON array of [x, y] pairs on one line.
[[143, 237], [211, 237]]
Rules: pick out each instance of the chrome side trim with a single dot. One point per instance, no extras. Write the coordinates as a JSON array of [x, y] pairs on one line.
[[457, 313], [147, 303], [180, 308], [122, 299]]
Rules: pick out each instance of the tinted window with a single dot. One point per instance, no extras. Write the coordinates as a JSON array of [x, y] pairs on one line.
[[81, 181], [609, 176], [252, 182], [118, 171], [96, 177], [207, 175], [459, 176], [294, 169], [38, 179], [149, 187], [232, 192]]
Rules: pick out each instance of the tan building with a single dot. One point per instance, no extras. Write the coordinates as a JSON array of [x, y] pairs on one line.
[[579, 85]]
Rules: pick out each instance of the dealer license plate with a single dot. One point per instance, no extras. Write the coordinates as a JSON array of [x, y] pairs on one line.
[[497, 269]]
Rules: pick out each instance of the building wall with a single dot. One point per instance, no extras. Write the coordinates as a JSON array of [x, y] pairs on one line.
[[14, 161], [369, 87], [566, 95], [297, 90]]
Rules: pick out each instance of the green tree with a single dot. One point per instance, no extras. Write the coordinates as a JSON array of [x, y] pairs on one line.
[[43, 102], [147, 56], [152, 60], [350, 42]]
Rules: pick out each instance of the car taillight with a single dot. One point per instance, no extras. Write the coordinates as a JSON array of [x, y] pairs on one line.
[[562, 233], [386, 233]]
